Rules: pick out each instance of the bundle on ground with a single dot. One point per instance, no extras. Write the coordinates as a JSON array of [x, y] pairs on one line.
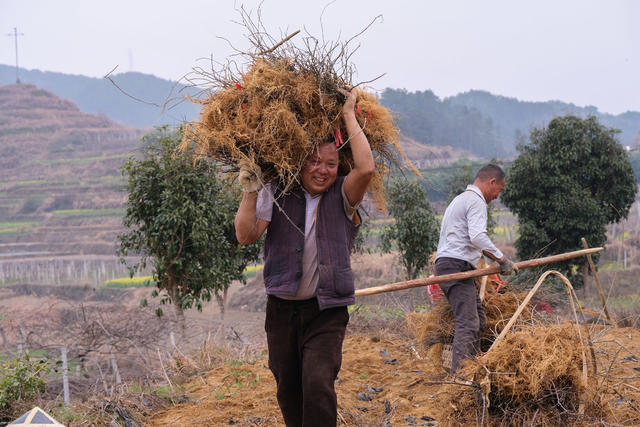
[[534, 377], [437, 325], [285, 102]]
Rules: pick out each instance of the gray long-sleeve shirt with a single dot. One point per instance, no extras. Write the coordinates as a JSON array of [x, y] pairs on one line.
[[463, 234]]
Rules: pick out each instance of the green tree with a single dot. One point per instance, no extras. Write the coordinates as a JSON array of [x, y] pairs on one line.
[[180, 215], [570, 182], [415, 231], [457, 183]]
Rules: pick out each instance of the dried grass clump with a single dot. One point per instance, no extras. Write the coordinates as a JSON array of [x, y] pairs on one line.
[[282, 105], [499, 308], [437, 325], [434, 326], [533, 377]]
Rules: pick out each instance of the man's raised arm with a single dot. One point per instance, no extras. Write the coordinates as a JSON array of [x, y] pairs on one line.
[[357, 181]]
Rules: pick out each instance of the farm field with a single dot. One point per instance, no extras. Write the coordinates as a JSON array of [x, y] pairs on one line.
[[61, 285], [217, 371]]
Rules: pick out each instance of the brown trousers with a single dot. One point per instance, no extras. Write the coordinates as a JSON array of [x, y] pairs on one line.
[[468, 311], [305, 355]]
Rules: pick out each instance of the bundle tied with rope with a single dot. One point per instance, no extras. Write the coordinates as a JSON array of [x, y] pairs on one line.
[[289, 100], [537, 375]]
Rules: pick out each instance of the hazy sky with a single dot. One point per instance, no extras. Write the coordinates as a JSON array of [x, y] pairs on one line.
[[582, 51]]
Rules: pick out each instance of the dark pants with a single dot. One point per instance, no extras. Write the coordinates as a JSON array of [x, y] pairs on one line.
[[305, 354], [468, 311]]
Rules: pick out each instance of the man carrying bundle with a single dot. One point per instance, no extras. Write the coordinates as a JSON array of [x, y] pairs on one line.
[[307, 271], [463, 237]]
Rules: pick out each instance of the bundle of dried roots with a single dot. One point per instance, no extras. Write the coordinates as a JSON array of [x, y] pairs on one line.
[[284, 102], [534, 377], [437, 325]]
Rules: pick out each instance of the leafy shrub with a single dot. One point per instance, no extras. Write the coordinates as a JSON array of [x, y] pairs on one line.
[[31, 205], [21, 378], [61, 202]]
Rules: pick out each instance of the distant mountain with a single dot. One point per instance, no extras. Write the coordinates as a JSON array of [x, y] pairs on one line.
[[488, 125], [514, 117], [477, 122], [100, 96]]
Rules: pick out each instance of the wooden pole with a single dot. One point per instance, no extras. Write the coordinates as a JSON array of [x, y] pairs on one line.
[[114, 366], [597, 280], [472, 273], [483, 287], [65, 376]]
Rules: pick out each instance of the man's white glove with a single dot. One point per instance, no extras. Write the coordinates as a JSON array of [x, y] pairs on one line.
[[507, 266], [249, 176]]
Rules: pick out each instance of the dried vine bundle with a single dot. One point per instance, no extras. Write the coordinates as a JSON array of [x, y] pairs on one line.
[[285, 102], [437, 325], [533, 377]]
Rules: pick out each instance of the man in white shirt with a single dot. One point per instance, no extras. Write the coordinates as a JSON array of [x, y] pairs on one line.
[[463, 237]]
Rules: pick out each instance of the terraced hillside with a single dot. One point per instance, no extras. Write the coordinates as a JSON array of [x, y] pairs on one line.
[[61, 198], [60, 188]]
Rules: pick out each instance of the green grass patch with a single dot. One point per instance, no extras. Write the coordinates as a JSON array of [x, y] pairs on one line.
[[13, 280], [67, 415], [89, 212], [30, 182], [624, 303], [611, 266], [251, 271], [82, 160], [130, 282], [378, 312], [166, 392], [239, 373], [33, 354], [17, 227], [382, 221]]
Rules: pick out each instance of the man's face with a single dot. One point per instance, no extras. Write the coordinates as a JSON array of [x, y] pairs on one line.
[[494, 189], [320, 170]]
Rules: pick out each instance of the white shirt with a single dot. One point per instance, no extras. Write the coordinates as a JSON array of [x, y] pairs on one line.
[[463, 233]]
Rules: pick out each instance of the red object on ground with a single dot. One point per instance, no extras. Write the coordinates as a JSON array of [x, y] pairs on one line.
[[544, 307]]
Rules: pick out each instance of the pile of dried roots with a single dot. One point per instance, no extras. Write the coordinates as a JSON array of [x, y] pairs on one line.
[[281, 103], [536, 376], [436, 326]]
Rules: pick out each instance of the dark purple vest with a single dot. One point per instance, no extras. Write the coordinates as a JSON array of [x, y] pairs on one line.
[[334, 236]]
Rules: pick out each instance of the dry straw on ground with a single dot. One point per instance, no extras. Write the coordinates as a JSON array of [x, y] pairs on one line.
[[537, 375], [436, 326], [281, 102], [533, 377]]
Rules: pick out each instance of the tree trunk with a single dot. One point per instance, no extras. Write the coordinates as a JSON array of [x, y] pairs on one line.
[[180, 318], [585, 274], [222, 302], [4, 340]]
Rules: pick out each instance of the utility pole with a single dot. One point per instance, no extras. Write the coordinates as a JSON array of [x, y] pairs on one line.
[[15, 36]]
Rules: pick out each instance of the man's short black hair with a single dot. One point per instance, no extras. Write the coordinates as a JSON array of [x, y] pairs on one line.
[[490, 171]]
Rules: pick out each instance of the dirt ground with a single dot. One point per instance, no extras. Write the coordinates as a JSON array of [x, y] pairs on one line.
[[384, 382], [386, 371], [386, 377]]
